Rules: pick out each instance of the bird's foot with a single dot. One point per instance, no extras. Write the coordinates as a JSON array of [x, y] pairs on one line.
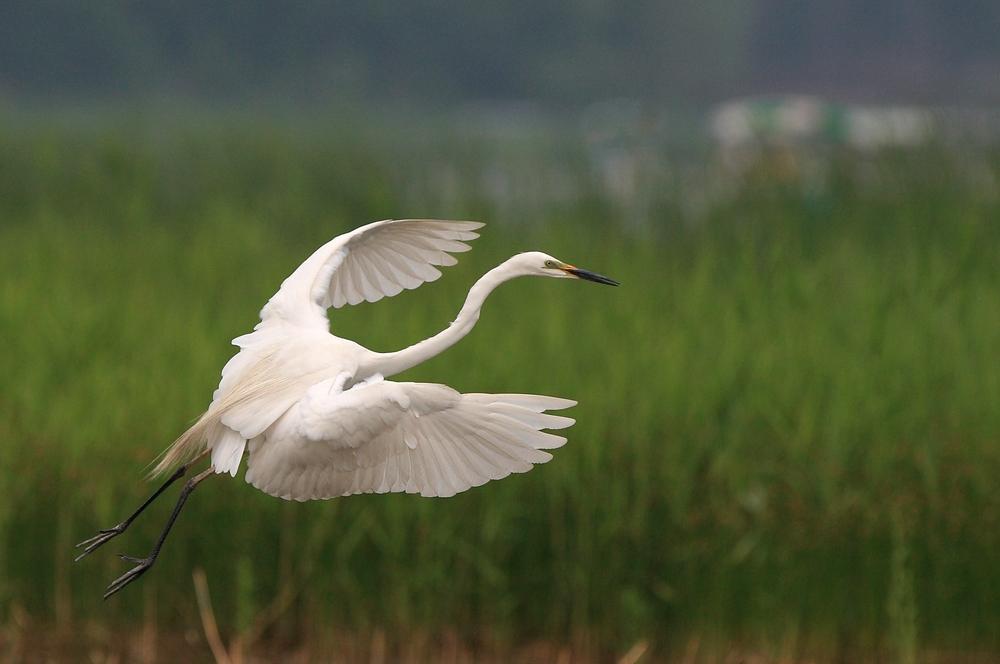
[[142, 564], [92, 544]]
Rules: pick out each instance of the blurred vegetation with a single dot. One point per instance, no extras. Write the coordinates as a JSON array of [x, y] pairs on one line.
[[788, 434]]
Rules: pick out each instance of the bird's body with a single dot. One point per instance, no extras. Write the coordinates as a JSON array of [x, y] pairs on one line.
[[316, 413]]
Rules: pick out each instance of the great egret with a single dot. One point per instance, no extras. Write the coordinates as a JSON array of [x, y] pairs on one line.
[[316, 412]]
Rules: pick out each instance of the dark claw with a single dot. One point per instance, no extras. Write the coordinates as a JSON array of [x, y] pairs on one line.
[[129, 576], [93, 543], [132, 559], [143, 564]]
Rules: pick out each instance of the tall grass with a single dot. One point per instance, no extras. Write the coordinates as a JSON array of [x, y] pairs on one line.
[[788, 433]]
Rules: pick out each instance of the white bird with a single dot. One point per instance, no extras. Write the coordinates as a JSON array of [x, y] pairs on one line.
[[315, 412]]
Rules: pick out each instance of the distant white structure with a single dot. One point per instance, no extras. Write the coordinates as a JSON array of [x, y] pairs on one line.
[[792, 121], [873, 128]]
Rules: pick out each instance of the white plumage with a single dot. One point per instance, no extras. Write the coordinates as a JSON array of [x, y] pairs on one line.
[[393, 437], [315, 412], [369, 263]]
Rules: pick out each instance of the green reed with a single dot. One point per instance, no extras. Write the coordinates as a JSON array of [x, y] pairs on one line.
[[788, 430]]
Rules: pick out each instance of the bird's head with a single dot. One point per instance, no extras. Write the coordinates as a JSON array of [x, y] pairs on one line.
[[539, 264]]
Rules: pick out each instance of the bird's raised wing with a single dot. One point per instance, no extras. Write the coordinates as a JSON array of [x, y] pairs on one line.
[[402, 437], [369, 263]]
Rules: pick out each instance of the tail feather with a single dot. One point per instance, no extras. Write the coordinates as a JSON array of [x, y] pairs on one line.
[[259, 388], [187, 446]]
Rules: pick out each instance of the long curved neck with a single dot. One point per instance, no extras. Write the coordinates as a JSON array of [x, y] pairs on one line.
[[389, 364]]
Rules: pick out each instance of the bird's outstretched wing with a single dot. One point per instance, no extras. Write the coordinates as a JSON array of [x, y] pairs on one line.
[[402, 437], [369, 263]]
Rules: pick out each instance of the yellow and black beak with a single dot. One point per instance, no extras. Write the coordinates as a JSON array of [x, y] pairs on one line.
[[588, 275]]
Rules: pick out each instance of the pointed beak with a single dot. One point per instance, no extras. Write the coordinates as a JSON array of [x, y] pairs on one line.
[[590, 276]]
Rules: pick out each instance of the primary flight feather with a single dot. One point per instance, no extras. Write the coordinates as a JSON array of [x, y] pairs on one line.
[[314, 414]]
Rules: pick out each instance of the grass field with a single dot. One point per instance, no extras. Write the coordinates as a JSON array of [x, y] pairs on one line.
[[788, 437]]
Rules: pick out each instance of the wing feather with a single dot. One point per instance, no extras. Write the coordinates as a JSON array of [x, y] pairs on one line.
[[402, 437], [394, 269], [530, 417], [367, 264], [358, 286], [383, 275], [445, 462]]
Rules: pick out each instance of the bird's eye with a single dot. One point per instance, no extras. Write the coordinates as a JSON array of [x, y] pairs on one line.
[[550, 263]]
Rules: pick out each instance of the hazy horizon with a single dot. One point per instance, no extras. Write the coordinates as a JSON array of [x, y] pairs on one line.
[[553, 53]]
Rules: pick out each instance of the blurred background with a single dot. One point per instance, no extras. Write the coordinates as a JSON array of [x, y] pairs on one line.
[[788, 439]]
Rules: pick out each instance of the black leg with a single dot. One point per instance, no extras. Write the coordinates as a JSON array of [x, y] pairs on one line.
[[143, 564], [93, 543]]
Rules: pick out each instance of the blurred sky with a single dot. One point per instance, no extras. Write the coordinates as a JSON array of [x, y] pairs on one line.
[[558, 52]]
